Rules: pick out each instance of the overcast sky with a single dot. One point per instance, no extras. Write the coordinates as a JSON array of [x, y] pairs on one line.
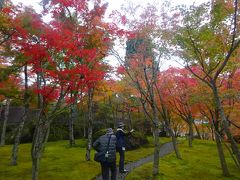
[[115, 4]]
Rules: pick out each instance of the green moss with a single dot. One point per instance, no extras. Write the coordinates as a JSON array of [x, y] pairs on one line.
[[59, 161], [199, 162]]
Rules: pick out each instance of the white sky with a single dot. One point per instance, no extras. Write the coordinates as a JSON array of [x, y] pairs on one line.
[[116, 5]]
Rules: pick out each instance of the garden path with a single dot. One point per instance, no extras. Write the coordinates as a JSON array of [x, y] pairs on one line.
[[164, 150]]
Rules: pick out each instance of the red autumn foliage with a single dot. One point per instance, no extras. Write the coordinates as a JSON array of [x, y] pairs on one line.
[[66, 53]]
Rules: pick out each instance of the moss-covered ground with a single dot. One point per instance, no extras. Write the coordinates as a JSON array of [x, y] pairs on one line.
[[60, 162], [199, 162]]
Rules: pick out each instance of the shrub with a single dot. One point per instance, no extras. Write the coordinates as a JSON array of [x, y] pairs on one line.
[[98, 134], [135, 140]]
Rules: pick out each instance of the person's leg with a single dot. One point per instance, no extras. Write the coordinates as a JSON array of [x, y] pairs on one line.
[[105, 171], [121, 160], [113, 168], [119, 151]]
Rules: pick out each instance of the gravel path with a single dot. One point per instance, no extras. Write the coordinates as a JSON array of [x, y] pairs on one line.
[[164, 150]]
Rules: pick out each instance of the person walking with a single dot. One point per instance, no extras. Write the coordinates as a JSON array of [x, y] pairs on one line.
[[106, 145], [120, 134]]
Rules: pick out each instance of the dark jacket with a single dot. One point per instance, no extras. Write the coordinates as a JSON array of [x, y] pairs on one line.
[[120, 134], [101, 143]]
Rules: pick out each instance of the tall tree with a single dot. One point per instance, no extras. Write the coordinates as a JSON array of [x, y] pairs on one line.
[[180, 84], [145, 49], [208, 38], [64, 55]]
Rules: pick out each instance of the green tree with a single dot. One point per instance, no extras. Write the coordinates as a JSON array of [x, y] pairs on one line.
[[207, 40]]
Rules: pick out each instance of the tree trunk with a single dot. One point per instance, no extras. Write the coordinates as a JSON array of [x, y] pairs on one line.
[[42, 128], [6, 112], [190, 134], [17, 140], [84, 127], [41, 132], [129, 117], [234, 145], [1, 109], [48, 124], [38, 144], [197, 130], [175, 146], [40, 137], [35, 168], [156, 137], [71, 134], [203, 136], [156, 152], [174, 141], [73, 116], [24, 117], [212, 132], [90, 124], [166, 117], [155, 131], [221, 155]]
